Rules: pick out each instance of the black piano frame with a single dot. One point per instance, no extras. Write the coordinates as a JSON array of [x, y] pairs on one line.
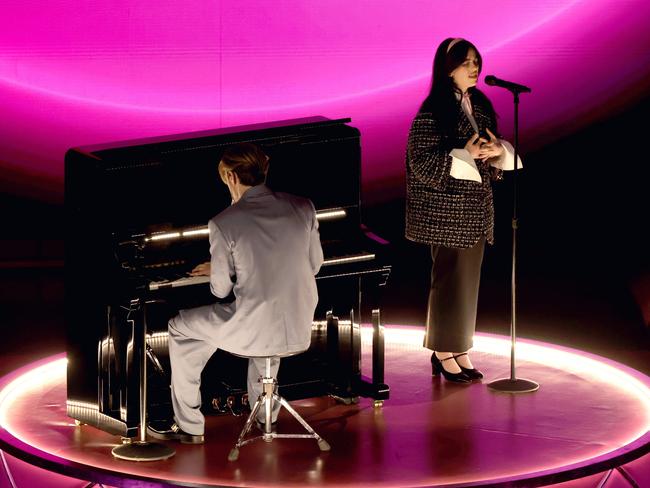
[[99, 315]]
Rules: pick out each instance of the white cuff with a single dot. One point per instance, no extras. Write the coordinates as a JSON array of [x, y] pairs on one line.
[[463, 166], [507, 161]]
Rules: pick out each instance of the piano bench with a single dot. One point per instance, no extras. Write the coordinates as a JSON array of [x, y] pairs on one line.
[[266, 399]]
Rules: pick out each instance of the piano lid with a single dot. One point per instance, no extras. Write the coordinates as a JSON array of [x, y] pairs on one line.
[[173, 179], [302, 123]]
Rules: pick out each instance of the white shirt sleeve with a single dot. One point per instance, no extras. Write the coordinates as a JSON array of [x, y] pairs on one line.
[[463, 166], [507, 161]]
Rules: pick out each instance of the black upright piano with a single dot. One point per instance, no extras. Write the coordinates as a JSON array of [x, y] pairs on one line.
[[136, 223]]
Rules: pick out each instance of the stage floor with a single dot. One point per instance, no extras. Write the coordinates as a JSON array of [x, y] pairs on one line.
[[589, 415]]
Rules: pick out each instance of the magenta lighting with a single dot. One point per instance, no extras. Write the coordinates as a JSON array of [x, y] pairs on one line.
[[81, 72]]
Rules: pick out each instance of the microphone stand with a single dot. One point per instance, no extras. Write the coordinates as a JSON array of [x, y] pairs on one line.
[[514, 384]]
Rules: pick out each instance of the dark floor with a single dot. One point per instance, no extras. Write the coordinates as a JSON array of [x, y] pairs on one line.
[[429, 433]]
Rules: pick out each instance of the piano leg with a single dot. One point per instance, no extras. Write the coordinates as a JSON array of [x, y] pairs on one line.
[[141, 450], [378, 359], [375, 387]]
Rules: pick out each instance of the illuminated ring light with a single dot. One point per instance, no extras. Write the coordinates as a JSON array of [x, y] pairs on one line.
[[632, 444]]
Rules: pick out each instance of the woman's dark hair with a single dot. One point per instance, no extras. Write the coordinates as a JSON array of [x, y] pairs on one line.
[[248, 161], [441, 100]]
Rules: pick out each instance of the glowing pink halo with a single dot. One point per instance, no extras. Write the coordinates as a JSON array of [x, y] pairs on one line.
[[633, 435]]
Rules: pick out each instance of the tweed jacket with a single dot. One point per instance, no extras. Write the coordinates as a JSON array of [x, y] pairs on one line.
[[440, 209]]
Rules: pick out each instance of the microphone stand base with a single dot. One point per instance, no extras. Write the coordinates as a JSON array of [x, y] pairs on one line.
[[518, 385]]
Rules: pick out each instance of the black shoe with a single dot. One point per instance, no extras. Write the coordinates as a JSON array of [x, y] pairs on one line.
[[172, 432], [436, 369], [473, 373]]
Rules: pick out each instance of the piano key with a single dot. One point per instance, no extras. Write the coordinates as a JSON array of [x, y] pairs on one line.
[[187, 281], [195, 280]]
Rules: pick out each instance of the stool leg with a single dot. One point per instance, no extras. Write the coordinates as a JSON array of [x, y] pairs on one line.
[[269, 387], [267, 368], [234, 452], [322, 443], [267, 398], [251, 418], [268, 404]]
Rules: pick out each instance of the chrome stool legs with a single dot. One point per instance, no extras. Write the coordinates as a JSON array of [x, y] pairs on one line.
[[267, 398]]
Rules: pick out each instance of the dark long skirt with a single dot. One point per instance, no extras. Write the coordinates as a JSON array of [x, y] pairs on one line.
[[451, 315]]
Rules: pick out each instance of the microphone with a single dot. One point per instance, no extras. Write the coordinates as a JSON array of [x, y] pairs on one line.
[[508, 85]]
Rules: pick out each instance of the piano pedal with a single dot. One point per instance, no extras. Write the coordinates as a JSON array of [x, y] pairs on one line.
[[157, 367], [235, 404], [353, 400], [218, 406]]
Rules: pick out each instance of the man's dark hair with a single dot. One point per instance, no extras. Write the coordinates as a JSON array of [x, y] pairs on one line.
[[248, 162]]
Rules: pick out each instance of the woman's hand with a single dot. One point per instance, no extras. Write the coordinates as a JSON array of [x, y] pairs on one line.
[[474, 145], [202, 269], [490, 149]]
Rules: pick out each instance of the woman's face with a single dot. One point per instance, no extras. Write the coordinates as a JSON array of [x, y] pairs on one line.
[[466, 75]]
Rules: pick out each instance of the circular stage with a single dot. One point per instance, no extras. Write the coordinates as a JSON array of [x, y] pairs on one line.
[[589, 414]]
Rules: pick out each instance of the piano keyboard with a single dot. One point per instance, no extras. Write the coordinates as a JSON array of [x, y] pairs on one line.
[[196, 280]]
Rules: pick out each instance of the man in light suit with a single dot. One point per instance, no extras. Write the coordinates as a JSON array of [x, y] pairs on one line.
[[265, 248]]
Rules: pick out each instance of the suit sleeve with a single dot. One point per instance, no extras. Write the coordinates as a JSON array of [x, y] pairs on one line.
[[222, 267], [428, 161], [315, 248]]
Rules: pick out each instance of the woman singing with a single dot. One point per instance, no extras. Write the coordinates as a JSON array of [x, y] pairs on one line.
[[452, 156]]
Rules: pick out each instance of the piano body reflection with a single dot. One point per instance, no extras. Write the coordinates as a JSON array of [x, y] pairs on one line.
[[136, 220]]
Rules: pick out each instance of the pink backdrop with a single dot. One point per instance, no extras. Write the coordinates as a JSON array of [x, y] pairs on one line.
[[83, 71]]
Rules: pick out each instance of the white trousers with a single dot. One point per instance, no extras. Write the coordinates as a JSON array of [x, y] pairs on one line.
[[191, 344]]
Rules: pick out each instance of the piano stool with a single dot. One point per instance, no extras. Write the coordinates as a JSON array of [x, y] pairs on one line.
[[267, 398]]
